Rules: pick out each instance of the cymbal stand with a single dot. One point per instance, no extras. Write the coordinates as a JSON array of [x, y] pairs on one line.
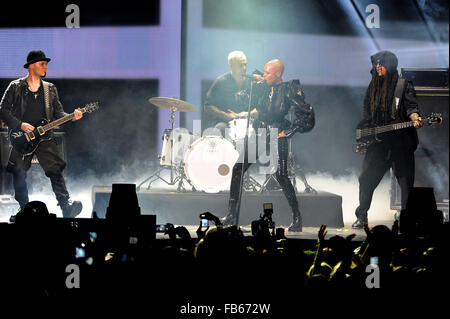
[[180, 175], [294, 169], [251, 184]]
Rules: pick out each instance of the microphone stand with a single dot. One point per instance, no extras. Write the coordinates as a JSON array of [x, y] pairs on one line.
[[241, 179]]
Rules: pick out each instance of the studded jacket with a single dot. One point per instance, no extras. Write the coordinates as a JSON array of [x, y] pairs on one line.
[[12, 105], [274, 106]]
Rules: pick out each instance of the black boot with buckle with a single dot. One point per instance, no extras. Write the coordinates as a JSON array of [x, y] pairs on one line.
[[296, 225], [361, 219], [230, 218], [71, 209]]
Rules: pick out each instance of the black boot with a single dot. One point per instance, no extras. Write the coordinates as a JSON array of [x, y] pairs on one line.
[[359, 223], [361, 216], [71, 209], [230, 218], [296, 225]]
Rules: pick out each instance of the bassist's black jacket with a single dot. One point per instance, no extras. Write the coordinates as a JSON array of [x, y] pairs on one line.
[[12, 105], [399, 105]]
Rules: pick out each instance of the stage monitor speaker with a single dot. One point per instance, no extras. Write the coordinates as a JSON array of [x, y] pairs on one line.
[[421, 216], [432, 154]]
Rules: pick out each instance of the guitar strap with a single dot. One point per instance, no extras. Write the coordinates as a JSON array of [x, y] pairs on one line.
[[46, 99], [397, 97]]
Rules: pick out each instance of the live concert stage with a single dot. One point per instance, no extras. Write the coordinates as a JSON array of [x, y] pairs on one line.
[[183, 208]]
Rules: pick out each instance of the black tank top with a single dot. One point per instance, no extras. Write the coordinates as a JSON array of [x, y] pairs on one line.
[[35, 107]]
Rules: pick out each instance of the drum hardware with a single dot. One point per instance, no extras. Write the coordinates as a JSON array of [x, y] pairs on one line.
[[251, 184], [177, 174], [236, 131], [241, 179], [294, 169]]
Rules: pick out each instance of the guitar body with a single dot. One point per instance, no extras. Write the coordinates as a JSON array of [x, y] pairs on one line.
[[364, 141], [26, 143]]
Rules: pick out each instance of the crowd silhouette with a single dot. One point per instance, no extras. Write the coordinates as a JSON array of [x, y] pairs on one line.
[[120, 254]]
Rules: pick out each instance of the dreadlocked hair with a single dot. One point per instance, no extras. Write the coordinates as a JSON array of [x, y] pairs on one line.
[[381, 93]]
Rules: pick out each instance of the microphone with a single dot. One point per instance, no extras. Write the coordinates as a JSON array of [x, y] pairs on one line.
[[251, 77]]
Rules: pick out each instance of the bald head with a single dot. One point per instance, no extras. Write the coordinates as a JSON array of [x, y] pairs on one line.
[[273, 70], [278, 64]]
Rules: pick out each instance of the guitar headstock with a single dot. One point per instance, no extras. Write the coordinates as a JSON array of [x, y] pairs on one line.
[[91, 107], [434, 118]]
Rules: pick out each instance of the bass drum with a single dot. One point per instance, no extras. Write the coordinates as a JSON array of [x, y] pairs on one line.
[[209, 162]]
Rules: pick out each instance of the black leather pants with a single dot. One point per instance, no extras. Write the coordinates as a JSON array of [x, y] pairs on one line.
[[281, 175], [51, 162]]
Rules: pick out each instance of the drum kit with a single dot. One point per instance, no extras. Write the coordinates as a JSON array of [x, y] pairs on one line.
[[205, 163]]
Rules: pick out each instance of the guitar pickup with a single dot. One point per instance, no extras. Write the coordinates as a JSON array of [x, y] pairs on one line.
[[40, 130], [30, 136]]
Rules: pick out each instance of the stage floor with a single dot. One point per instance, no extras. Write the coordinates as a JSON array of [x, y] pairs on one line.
[[184, 208]]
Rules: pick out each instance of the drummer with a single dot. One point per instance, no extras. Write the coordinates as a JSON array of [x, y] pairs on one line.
[[228, 97]]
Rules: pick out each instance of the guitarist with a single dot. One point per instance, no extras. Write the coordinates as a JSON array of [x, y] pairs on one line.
[[25, 102], [388, 99]]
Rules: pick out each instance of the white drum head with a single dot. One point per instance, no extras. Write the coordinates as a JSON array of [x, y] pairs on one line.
[[209, 164]]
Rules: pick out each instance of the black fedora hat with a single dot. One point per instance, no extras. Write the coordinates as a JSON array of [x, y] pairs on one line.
[[35, 56]]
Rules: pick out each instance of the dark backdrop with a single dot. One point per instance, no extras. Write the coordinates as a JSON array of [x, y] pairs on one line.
[[122, 132]]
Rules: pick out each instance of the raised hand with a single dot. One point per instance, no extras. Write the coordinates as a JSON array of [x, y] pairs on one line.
[[368, 232], [322, 232], [395, 228], [201, 233]]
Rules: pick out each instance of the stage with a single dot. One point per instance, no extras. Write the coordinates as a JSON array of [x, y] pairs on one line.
[[184, 208]]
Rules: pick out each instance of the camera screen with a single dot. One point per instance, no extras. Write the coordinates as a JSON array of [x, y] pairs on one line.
[[205, 223], [374, 260], [268, 206], [160, 228], [80, 252]]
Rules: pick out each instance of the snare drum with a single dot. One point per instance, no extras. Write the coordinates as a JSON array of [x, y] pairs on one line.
[[182, 139], [209, 162], [238, 127]]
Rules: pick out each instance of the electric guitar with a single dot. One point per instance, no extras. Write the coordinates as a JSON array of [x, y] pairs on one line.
[[26, 143], [365, 136]]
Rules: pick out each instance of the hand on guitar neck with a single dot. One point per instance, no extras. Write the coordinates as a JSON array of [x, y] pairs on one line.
[[27, 127], [26, 139], [416, 119], [77, 114]]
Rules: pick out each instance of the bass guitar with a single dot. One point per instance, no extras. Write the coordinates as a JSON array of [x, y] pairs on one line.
[[26, 143], [365, 136]]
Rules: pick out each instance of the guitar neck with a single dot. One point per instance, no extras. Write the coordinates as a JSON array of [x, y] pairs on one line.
[[60, 121], [393, 127], [386, 128]]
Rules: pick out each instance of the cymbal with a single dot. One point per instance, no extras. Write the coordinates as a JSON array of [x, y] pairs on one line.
[[169, 103]]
